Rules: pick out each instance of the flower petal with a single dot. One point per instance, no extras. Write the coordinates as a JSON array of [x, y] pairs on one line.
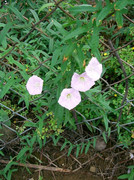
[[69, 98], [94, 69], [81, 82], [34, 85]]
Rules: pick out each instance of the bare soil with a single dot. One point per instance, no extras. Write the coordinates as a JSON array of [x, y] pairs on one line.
[[107, 164]]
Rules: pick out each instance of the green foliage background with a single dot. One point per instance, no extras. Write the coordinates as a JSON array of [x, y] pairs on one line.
[[53, 40]]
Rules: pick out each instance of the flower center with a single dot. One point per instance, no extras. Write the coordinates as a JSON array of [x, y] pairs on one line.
[[37, 84], [68, 95], [82, 78]]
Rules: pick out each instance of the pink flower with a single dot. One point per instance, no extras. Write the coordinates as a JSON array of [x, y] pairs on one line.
[[94, 69], [34, 85], [69, 98], [81, 82]]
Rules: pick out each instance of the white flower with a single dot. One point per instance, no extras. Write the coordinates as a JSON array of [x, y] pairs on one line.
[[34, 85], [81, 82], [69, 98], [94, 69]]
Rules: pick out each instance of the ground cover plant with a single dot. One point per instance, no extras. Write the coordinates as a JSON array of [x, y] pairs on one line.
[[67, 85]]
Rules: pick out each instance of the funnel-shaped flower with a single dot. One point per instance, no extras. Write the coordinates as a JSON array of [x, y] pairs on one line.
[[69, 98], [81, 82], [34, 85], [94, 69]]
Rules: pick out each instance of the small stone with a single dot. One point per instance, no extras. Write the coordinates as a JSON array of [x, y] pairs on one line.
[[100, 144], [93, 169]]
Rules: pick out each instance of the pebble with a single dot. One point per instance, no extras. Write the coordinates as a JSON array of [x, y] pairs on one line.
[[93, 169]]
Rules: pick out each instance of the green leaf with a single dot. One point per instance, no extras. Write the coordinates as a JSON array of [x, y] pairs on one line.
[[104, 136], [57, 79], [82, 8], [5, 52], [64, 144], [17, 13], [59, 114], [51, 45], [55, 57], [22, 152], [40, 178], [1, 153], [69, 49], [35, 15], [82, 147], [89, 126], [26, 99], [41, 123], [90, 95], [124, 176], [75, 33], [78, 55], [78, 59], [87, 147], [39, 140], [77, 150], [7, 86], [105, 121], [94, 43], [72, 122], [4, 117], [24, 75], [9, 175], [104, 12], [120, 4], [131, 167], [8, 166], [2, 25], [55, 140], [45, 6], [17, 64], [44, 141], [30, 124], [104, 103], [118, 128], [109, 132], [31, 3], [4, 43], [2, 74], [70, 149], [67, 117], [59, 27], [119, 18], [4, 33], [96, 89], [96, 53]]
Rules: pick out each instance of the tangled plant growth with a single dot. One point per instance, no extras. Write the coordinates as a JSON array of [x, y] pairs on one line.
[[47, 47], [70, 98]]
